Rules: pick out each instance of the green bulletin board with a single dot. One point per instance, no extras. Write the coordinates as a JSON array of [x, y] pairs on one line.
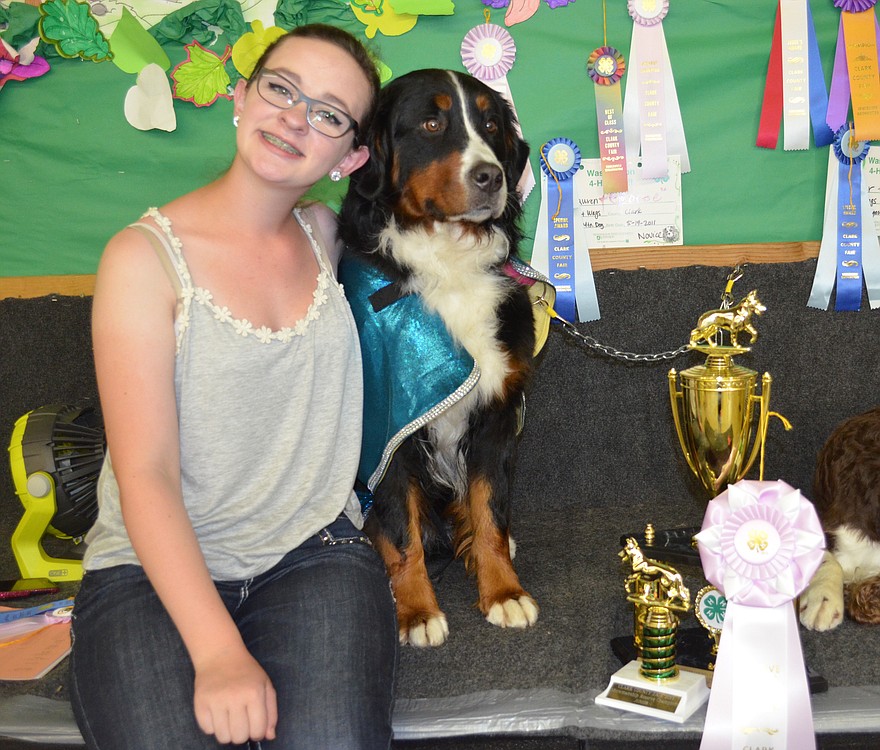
[[74, 171]]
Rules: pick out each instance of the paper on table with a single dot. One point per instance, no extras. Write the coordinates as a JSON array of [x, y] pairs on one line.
[[32, 655]]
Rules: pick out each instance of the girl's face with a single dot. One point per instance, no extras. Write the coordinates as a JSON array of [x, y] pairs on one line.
[[280, 143]]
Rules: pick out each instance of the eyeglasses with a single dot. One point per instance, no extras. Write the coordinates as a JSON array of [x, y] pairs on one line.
[[323, 117]]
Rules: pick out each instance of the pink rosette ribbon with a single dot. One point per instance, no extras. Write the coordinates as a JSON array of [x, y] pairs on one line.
[[488, 52], [760, 544]]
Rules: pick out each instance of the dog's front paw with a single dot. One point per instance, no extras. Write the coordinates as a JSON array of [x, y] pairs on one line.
[[821, 605], [424, 631], [821, 610], [520, 612]]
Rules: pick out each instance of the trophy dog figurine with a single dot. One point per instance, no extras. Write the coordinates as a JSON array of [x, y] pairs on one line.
[[846, 493], [653, 582], [734, 320]]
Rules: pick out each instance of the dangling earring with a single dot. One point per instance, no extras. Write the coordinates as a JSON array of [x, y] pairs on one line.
[[336, 175], [235, 121]]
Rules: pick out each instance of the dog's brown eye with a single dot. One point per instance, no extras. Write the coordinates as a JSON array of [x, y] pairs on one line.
[[491, 127], [432, 125]]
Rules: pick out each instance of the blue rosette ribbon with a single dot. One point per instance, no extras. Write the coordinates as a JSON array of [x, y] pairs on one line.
[[849, 252], [569, 267]]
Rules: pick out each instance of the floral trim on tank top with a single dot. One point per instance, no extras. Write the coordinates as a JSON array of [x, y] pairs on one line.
[[242, 326]]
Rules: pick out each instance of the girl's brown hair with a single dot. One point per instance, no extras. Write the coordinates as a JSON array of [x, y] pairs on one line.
[[344, 41]]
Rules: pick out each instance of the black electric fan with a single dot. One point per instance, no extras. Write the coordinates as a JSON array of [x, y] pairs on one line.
[[55, 455]]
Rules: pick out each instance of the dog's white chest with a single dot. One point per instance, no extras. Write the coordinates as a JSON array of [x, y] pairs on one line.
[[450, 273]]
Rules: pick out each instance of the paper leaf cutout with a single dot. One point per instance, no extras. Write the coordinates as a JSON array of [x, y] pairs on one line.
[[378, 15], [148, 104], [134, 47], [73, 30], [520, 10], [250, 46], [203, 21], [202, 77], [424, 7]]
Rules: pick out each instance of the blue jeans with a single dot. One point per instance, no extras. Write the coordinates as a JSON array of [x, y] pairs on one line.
[[321, 623]]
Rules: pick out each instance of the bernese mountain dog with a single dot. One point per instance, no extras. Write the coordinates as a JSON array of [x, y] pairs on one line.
[[432, 220], [846, 493]]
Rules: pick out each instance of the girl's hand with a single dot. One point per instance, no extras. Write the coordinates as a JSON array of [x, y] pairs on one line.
[[234, 699]]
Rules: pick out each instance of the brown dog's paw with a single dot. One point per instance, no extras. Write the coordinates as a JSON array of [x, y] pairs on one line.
[[423, 631], [519, 612], [864, 601]]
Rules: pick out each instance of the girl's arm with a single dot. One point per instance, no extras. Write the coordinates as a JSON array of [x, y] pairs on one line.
[[134, 344]]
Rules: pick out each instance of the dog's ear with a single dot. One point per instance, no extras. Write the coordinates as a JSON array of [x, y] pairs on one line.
[[517, 150], [370, 181]]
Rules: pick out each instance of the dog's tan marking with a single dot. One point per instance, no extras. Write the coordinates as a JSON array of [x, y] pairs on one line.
[[516, 378], [419, 618], [443, 101], [487, 553], [483, 102], [438, 187]]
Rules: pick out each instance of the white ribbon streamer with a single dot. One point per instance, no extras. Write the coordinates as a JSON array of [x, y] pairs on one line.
[[675, 138], [795, 76]]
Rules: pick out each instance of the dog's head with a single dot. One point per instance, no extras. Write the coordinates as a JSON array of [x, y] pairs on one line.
[[444, 147]]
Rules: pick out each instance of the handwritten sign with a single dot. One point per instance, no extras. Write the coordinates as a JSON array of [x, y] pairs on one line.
[[872, 183], [648, 213]]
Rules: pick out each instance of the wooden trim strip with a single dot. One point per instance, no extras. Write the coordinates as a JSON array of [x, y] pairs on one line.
[[602, 259], [41, 286], [634, 258]]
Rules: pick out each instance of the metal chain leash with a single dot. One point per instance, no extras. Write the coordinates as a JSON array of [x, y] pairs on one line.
[[727, 299]]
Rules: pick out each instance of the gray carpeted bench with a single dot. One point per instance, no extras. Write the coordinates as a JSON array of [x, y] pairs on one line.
[[598, 458]]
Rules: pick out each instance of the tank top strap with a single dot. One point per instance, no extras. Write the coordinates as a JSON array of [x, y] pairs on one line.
[[168, 249], [312, 228]]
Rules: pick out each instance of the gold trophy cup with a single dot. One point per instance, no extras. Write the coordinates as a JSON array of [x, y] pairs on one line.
[[713, 411]]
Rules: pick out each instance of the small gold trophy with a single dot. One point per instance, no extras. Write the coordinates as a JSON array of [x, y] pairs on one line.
[[654, 686], [713, 412]]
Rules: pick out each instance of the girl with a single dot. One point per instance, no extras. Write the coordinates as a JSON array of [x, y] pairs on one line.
[[229, 594]]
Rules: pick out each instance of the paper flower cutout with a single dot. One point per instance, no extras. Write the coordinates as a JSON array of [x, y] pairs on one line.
[[73, 30], [846, 148], [251, 46], [761, 543], [19, 65], [647, 12], [202, 77], [148, 104], [488, 51]]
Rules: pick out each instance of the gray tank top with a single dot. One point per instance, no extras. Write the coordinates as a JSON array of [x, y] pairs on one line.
[[270, 424]]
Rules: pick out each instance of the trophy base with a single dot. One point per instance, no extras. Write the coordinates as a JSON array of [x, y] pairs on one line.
[[674, 699], [693, 648]]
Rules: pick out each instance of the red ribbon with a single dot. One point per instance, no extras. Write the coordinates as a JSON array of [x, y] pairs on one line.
[[771, 109]]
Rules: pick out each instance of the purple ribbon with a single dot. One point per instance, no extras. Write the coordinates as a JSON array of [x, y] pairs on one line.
[[838, 98]]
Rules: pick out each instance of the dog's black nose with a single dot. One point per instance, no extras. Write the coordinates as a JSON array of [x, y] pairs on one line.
[[487, 177]]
